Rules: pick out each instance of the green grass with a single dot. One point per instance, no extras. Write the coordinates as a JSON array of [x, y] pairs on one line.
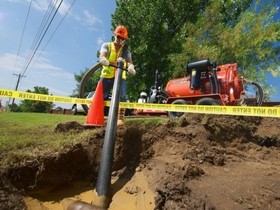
[[29, 120], [25, 136]]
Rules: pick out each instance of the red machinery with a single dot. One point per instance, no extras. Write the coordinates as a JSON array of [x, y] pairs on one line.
[[208, 84], [204, 84]]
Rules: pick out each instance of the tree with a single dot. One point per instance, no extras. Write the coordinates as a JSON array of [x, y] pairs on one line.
[[250, 40], [36, 106], [14, 107], [165, 35], [154, 29]]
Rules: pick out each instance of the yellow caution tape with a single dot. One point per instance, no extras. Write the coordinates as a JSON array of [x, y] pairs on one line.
[[258, 111], [42, 97], [203, 109]]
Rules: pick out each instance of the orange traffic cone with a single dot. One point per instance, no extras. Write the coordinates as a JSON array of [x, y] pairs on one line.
[[95, 116]]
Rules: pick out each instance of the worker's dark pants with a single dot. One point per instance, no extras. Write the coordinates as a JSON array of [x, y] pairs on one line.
[[108, 86]]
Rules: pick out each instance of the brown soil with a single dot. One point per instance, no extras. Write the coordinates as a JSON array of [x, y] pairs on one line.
[[196, 162]]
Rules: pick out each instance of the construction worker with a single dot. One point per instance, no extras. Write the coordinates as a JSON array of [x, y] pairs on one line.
[[109, 53]]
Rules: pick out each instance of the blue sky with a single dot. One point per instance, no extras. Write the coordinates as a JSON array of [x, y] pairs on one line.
[[69, 50]]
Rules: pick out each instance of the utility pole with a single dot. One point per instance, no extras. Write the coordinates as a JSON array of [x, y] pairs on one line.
[[19, 78]]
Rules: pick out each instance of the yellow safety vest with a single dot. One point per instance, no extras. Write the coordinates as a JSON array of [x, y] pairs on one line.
[[109, 71]]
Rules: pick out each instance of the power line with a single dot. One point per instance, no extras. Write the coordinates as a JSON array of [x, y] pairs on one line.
[[23, 33], [43, 35], [55, 31], [43, 25], [40, 33], [37, 35]]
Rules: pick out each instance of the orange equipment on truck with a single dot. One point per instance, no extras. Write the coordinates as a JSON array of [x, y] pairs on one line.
[[207, 84], [204, 83]]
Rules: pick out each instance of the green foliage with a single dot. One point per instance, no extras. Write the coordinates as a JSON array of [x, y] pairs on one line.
[[14, 107], [165, 35], [155, 31], [36, 106], [249, 39]]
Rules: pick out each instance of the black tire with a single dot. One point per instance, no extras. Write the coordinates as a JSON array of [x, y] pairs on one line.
[[84, 81], [74, 109], [207, 101], [177, 114]]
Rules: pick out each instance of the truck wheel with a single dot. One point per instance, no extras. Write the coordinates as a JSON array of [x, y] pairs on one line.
[[74, 109], [207, 101], [177, 114]]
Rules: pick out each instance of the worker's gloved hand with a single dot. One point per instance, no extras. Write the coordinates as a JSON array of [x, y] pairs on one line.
[[104, 61], [131, 70]]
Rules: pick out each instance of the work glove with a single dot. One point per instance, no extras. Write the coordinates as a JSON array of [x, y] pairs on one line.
[[104, 61], [131, 70]]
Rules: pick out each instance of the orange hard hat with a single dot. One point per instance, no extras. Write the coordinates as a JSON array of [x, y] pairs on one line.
[[121, 31]]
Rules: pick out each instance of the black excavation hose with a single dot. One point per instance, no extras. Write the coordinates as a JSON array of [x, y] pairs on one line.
[[84, 81], [105, 170], [260, 97], [261, 93]]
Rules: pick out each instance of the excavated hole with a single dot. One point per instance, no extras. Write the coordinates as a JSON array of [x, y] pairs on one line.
[[160, 167]]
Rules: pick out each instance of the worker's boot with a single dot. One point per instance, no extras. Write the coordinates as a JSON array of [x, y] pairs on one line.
[[121, 117]]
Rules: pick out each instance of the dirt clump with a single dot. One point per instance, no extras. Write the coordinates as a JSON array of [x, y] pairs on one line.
[[195, 162], [66, 127]]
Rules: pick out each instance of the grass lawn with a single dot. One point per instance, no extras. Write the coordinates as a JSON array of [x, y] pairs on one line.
[[25, 136]]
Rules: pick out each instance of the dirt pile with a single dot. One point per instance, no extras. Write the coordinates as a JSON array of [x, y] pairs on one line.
[[195, 162]]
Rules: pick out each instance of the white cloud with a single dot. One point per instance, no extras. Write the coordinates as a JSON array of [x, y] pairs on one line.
[[44, 5], [40, 5], [12, 1], [84, 25], [1, 16], [88, 19], [7, 62], [44, 74], [100, 40], [13, 63], [64, 7]]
